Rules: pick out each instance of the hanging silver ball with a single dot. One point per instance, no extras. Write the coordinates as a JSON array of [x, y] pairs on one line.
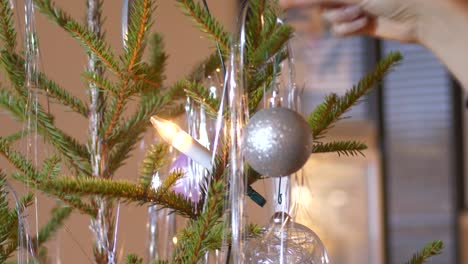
[[277, 142]]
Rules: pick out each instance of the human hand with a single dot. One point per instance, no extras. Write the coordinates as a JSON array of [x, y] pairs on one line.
[[403, 20]]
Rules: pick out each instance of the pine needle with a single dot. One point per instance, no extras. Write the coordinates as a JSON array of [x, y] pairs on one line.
[[332, 109], [124, 191], [432, 249], [205, 232], [7, 27], [347, 148], [206, 23], [152, 163]]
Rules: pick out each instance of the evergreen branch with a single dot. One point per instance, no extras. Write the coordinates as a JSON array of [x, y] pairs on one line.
[[18, 160], [90, 41], [94, 45], [271, 46], [157, 60], [347, 148], [50, 168], [69, 199], [9, 220], [124, 139], [432, 249], [55, 14], [75, 152], [59, 215], [122, 190], [160, 262], [201, 95], [205, 232], [254, 231], [63, 96], [205, 68], [32, 177], [255, 23], [140, 23], [329, 114], [100, 82], [14, 65], [16, 136], [206, 23], [7, 26], [152, 163], [319, 120], [133, 259], [15, 70]]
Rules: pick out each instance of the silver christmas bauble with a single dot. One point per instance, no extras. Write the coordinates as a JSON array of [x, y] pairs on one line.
[[285, 241], [277, 142]]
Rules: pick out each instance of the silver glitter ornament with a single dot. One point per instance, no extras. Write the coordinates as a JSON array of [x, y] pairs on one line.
[[285, 241], [277, 142]]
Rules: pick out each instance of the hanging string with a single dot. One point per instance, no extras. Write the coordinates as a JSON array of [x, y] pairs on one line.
[[31, 83], [24, 250], [102, 224]]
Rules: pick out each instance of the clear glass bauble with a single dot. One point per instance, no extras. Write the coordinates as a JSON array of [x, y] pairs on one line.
[[286, 242]]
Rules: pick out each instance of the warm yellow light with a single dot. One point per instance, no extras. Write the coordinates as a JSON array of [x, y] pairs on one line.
[[179, 139], [166, 129], [174, 240]]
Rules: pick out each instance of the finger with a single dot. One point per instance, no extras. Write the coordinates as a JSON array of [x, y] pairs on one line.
[[351, 28], [342, 14], [286, 4]]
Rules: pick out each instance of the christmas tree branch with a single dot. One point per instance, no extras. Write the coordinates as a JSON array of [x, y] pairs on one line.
[[432, 249], [201, 95], [13, 63], [75, 152], [133, 259], [205, 232], [129, 133], [9, 220], [123, 190], [95, 45], [16, 136], [206, 23], [205, 68], [347, 148], [32, 177], [7, 27], [334, 107], [139, 24], [58, 216], [255, 23], [91, 42], [152, 163], [100, 81], [271, 46], [54, 91]]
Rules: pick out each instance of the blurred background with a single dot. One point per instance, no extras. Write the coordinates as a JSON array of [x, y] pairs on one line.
[[407, 190]]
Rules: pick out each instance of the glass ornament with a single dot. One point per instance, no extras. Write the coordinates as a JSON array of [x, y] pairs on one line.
[[277, 142], [285, 241]]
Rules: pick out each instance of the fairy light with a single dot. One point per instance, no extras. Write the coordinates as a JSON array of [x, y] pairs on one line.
[[179, 139]]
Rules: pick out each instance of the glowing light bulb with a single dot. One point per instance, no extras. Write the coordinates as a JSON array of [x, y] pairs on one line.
[[179, 139]]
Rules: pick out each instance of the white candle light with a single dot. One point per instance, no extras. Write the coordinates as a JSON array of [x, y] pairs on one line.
[[183, 142]]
